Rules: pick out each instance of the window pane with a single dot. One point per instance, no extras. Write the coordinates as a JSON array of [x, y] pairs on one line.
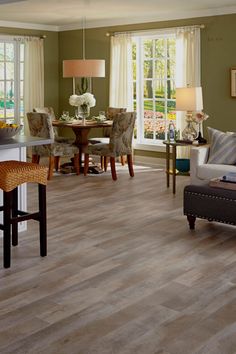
[[10, 90], [9, 108], [1, 51], [148, 106], [22, 54], [21, 89], [1, 71], [148, 128], [160, 108], [160, 129], [171, 114], [170, 89], [148, 48], [1, 89], [9, 52], [171, 68], [21, 108], [134, 90], [159, 48], [134, 51], [159, 87], [21, 71], [147, 68], [160, 69], [134, 70], [147, 89], [9, 71], [1, 110], [171, 48]]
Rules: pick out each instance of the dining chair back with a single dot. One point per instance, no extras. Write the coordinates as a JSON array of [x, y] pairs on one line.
[[120, 143], [40, 125], [51, 113]]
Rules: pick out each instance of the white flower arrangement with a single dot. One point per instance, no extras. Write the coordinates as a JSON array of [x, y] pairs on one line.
[[83, 101]]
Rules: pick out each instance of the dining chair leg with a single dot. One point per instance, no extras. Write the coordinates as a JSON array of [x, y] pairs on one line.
[[76, 163], [122, 160], [56, 162], [50, 167], [35, 158], [86, 164], [113, 168], [102, 162], [105, 159], [130, 165]]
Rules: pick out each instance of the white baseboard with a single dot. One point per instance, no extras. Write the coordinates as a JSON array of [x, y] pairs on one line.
[[150, 161]]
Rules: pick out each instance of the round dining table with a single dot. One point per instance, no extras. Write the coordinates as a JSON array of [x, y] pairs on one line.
[[81, 131]]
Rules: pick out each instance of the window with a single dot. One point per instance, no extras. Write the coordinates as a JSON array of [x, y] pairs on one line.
[[11, 80], [154, 86]]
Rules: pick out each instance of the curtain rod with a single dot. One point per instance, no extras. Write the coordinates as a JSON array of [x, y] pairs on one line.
[[43, 36], [108, 34]]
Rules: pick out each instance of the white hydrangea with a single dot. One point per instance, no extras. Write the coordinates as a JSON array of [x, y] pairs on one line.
[[87, 99]]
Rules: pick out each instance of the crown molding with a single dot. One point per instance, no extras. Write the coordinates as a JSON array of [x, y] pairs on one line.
[[153, 18], [178, 15], [26, 25]]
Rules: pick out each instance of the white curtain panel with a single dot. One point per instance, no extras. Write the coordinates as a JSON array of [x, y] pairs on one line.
[[188, 69], [33, 76], [121, 78]]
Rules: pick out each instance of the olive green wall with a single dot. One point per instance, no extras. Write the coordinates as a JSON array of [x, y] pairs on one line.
[[218, 54], [51, 75]]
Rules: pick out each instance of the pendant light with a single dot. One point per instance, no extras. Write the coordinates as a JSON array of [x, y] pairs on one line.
[[87, 68]]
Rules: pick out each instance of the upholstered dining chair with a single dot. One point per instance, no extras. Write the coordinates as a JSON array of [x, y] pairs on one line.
[[110, 114], [40, 125], [51, 113], [120, 143]]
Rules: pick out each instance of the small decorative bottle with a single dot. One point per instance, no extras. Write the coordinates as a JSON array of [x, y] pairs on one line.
[[171, 131]]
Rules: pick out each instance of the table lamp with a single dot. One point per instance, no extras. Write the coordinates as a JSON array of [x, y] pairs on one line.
[[189, 99]]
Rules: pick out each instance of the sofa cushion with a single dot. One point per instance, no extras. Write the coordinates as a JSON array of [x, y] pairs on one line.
[[209, 171], [223, 147]]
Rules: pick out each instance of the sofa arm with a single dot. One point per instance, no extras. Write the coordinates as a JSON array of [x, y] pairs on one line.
[[198, 156]]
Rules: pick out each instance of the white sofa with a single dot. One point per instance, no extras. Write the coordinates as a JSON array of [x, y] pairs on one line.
[[200, 171]]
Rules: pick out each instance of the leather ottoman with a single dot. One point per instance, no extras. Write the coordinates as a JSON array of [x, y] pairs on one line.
[[213, 204]]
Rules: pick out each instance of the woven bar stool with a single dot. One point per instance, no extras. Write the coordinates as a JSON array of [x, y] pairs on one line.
[[13, 174]]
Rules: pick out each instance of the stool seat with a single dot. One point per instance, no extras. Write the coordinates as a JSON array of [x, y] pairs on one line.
[[13, 173]]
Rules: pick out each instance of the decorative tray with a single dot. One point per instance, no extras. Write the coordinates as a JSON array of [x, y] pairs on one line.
[[9, 132]]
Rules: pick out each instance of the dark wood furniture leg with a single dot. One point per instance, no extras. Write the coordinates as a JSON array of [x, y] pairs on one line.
[[191, 221], [168, 166], [174, 168]]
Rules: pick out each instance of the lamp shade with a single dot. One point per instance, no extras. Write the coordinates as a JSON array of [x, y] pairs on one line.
[[189, 99], [84, 68]]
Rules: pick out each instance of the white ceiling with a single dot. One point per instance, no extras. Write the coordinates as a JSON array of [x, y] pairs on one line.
[[67, 14]]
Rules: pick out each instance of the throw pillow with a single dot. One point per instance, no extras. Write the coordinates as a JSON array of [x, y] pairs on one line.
[[223, 147]]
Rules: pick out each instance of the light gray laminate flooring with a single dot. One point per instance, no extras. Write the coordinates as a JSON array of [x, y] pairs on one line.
[[124, 274]]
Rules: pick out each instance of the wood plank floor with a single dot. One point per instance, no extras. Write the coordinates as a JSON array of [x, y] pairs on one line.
[[123, 274]]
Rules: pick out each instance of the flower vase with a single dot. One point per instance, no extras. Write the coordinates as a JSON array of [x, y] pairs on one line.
[[83, 112]]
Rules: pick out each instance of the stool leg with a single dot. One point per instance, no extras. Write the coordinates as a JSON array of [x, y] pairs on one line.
[[15, 214], [7, 197], [42, 219]]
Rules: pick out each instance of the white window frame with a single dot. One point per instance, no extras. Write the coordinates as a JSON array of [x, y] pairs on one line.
[[17, 43], [140, 142]]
